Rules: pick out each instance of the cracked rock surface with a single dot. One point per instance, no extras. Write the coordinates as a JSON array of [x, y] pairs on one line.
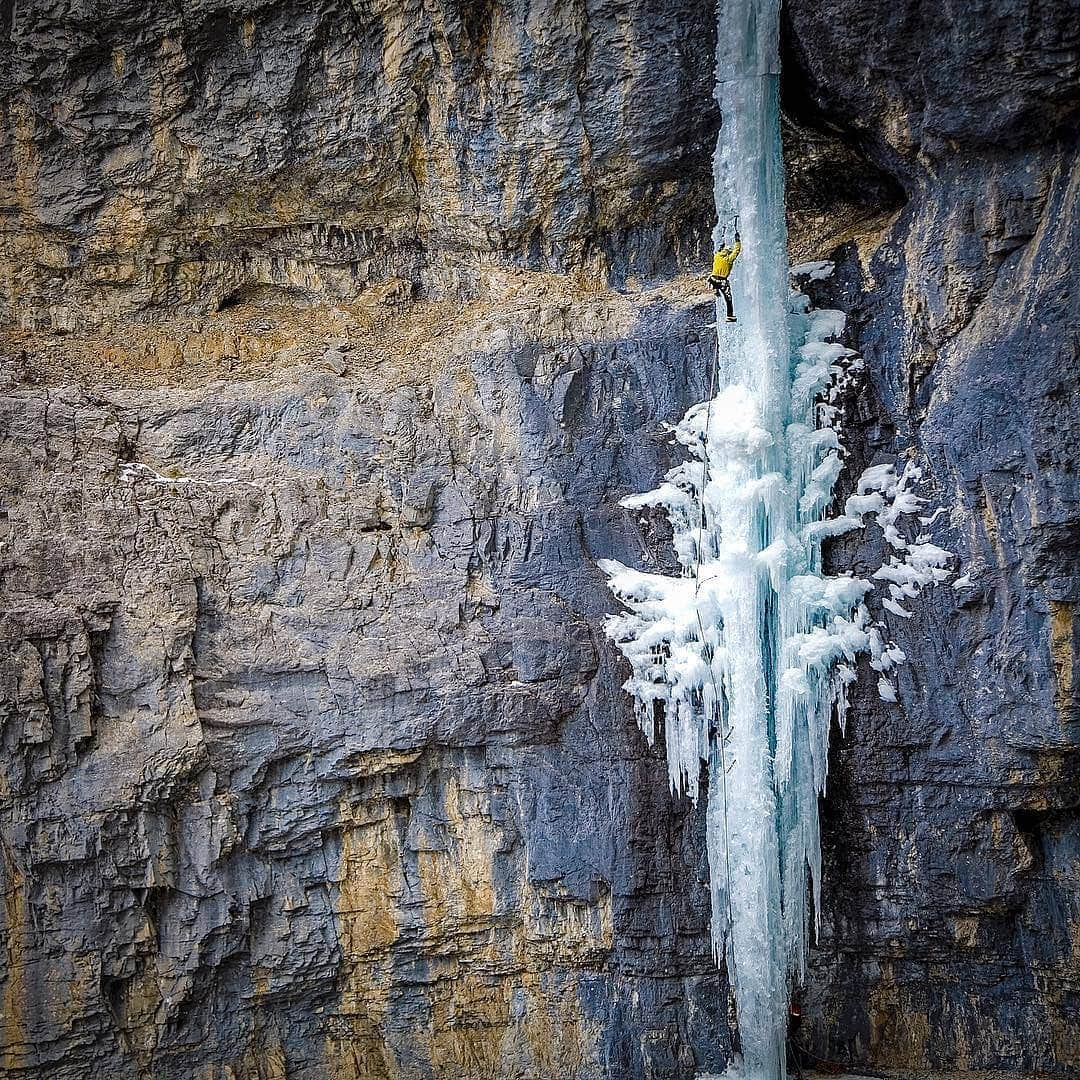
[[331, 336], [315, 758], [951, 930]]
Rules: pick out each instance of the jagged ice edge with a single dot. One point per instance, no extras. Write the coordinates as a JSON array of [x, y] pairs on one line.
[[660, 633]]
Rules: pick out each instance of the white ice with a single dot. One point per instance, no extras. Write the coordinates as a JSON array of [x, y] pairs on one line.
[[814, 271]]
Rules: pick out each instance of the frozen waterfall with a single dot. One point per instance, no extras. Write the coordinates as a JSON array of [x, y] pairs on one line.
[[742, 660]]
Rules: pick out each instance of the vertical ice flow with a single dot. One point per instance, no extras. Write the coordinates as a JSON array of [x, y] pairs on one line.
[[745, 493], [742, 660]]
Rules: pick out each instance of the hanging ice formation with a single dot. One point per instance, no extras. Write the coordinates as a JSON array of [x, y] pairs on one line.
[[746, 655]]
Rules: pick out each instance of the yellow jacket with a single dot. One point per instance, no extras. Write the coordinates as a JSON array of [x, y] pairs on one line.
[[724, 259]]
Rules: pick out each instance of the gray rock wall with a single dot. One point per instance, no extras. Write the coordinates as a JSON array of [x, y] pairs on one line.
[[162, 156], [315, 759], [951, 929], [331, 336]]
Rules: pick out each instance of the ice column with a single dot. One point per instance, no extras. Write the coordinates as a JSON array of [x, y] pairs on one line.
[[743, 658]]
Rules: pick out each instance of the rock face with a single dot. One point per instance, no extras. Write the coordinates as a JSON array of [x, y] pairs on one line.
[[332, 336], [316, 763], [951, 929], [167, 158]]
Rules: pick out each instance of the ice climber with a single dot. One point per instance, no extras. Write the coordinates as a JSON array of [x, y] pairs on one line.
[[722, 263]]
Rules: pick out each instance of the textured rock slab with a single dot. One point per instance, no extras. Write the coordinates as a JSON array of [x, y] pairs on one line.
[[155, 158], [316, 759], [952, 895]]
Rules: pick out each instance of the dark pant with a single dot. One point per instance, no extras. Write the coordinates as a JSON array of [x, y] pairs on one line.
[[721, 287]]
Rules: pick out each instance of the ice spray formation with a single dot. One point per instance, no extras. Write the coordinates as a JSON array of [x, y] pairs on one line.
[[747, 653]]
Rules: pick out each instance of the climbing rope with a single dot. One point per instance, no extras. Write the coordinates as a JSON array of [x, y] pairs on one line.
[[717, 712]]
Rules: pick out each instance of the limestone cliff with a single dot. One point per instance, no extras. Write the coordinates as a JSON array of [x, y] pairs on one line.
[[951, 935], [176, 158], [332, 335]]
